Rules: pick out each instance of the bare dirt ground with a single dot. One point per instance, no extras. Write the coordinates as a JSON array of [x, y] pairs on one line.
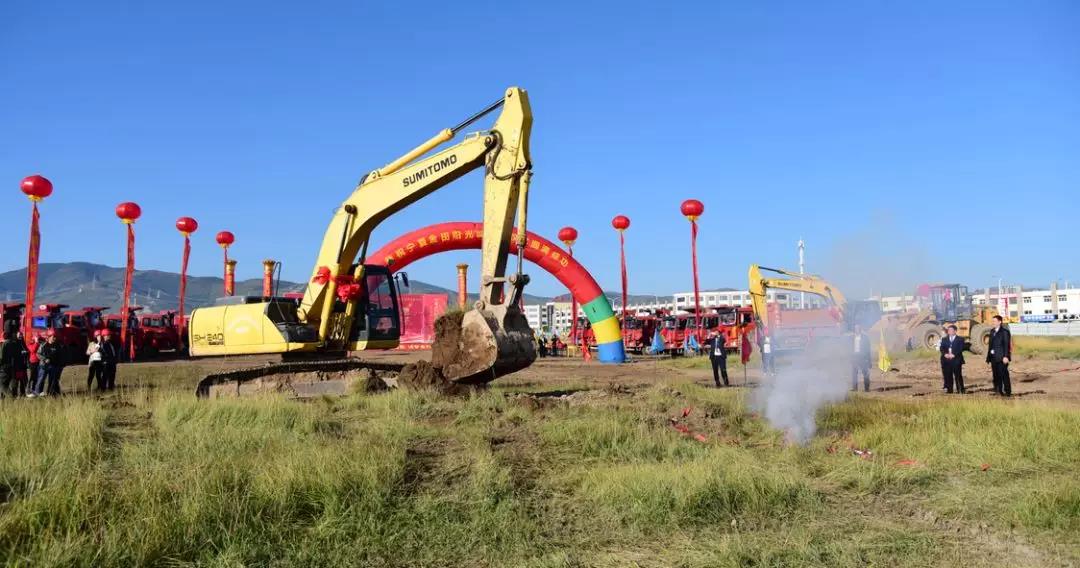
[[1037, 379], [1056, 380]]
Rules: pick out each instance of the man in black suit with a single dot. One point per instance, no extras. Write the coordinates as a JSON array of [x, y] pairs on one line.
[[998, 353], [718, 357], [952, 361], [860, 359]]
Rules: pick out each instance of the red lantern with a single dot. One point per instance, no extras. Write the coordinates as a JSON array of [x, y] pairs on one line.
[[225, 239], [568, 235], [187, 225], [36, 187], [621, 224], [692, 209], [128, 212]]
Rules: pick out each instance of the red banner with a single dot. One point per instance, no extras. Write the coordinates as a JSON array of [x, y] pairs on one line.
[[418, 314], [183, 283], [697, 294], [573, 306], [622, 261], [127, 292], [228, 289], [31, 275], [745, 349]]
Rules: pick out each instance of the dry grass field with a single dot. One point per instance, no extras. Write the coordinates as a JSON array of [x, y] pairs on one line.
[[564, 464]]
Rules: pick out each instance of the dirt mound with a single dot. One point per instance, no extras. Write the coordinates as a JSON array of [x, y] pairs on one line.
[[422, 375], [446, 349]]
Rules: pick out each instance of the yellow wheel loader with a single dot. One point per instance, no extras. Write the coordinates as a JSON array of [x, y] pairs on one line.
[[945, 304], [351, 306]]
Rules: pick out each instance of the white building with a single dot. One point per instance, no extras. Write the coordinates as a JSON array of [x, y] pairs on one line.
[[1053, 304], [714, 298], [534, 313], [898, 303]]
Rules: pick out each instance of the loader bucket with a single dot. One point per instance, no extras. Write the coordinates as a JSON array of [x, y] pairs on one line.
[[479, 346]]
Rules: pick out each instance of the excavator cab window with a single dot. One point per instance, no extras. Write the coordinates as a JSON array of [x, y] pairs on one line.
[[377, 314]]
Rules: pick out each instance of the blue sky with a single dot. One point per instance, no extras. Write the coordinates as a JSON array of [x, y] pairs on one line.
[[903, 141]]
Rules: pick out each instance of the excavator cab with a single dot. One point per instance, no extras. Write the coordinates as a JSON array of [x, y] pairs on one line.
[[377, 322]]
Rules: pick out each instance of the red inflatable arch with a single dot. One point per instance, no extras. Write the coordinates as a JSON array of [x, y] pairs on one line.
[[462, 235]]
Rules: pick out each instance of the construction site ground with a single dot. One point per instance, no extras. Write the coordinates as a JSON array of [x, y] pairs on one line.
[[566, 463]]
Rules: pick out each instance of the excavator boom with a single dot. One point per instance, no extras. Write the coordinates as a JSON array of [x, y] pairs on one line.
[[335, 313], [864, 313]]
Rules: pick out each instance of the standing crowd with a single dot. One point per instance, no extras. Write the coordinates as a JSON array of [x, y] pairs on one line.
[[33, 369]]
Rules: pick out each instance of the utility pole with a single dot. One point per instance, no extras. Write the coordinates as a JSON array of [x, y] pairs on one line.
[[802, 270]]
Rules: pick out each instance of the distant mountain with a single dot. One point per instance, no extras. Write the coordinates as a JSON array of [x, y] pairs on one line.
[[85, 284]]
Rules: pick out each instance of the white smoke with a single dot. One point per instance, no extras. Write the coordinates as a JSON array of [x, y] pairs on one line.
[[877, 257], [805, 382]]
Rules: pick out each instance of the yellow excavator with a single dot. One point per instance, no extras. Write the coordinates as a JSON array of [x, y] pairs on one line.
[[352, 306], [865, 313], [948, 304]]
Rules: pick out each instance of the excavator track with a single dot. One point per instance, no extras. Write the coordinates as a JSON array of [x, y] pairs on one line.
[[297, 379]]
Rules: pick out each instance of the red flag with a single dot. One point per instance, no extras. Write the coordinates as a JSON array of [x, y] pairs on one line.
[[31, 275], [127, 292], [573, 307], [746, 349], [183, 282], [228, 290], [622, 261], [697, 295]]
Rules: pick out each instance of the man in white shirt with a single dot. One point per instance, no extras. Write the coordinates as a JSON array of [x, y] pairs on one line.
[[860, 359], [952, 361]]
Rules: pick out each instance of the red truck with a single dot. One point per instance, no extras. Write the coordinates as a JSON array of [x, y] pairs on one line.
[[135, 336], [637, 332], [68, 326], [159, 332], [731, 322], [797, 329], [673, 330]]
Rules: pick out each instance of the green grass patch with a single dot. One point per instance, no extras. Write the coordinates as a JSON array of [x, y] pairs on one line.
[[1032, 347], [155, 477]]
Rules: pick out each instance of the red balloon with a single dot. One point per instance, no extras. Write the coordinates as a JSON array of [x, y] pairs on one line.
[[36, 187], [621, 222], [568, 235], [692, 208], [187, 225], [225, 238], [128, 211]]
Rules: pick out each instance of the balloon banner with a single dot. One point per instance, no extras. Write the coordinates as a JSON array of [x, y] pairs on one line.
[[32, 273], [183, 280], [125, 309]]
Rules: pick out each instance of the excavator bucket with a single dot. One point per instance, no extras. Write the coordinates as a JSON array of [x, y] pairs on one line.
[[478, 346]]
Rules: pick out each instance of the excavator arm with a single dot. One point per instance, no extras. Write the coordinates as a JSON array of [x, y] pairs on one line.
[[759, 285], [503, 151], [492, 339]]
